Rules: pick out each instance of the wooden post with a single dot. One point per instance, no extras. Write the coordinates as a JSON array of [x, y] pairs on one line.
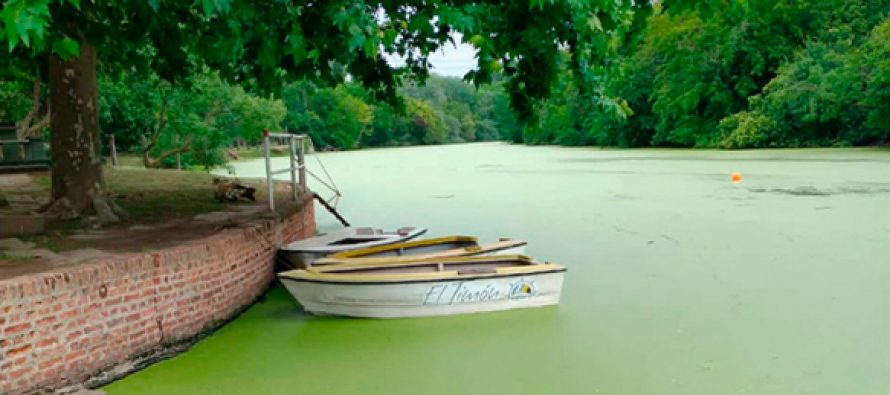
[[269, 185], [178, 161], [301, 161], [293, 166], [113, 149]]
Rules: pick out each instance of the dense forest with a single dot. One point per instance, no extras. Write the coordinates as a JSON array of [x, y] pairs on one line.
[[742, 74], [443, 110], [729, 74]]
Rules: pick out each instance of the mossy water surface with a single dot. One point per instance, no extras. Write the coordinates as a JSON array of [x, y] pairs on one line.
[[680, 281]]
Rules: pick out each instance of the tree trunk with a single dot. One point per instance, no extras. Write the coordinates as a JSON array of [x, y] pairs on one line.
[[77, 182]]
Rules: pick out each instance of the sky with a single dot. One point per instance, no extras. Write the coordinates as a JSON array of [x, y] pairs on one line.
[[448, 61]]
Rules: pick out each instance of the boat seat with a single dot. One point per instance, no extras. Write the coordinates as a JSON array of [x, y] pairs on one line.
[[365, 231], [477, 270]]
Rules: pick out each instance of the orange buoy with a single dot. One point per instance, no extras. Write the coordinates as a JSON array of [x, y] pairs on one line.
[[736, 177]]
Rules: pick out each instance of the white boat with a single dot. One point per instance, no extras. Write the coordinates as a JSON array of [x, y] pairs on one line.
[[426, 288], [439, 247], [301, 253]]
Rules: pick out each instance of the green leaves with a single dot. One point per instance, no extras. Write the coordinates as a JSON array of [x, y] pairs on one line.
[[739, 75], [66, 48], [25, 22], [370, 48], [213, 6], [201, 117], [267, 43], [593, 23], [476, 40]]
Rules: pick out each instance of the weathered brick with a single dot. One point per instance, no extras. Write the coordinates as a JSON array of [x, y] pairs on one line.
[[18, 328], [67, 315], [47, 342], [73, 336], [75, 354], [18, 351], [92, 329], [46, 321], [21, 383], [50, 363]]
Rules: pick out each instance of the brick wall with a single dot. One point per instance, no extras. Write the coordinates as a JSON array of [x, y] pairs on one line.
[[61, 327]]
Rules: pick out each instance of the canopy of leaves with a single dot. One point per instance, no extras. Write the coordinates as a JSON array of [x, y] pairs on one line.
[[736, 74], [264, 43], [198, 117]]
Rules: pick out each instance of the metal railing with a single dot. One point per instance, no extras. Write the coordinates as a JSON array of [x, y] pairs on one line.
[[297, 163]]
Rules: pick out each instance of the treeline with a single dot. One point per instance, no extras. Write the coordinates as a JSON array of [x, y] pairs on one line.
[[444, 110], [198, 119], [728, 74], [739, 74], [195, 121]]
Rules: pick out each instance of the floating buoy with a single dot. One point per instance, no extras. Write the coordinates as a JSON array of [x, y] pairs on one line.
[[736, 177]]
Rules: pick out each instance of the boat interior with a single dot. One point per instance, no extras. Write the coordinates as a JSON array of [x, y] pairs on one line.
[[349, 238], [413, 247], [461, 266]]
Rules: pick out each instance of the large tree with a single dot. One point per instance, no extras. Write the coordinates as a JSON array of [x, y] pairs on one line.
[[263, 43]]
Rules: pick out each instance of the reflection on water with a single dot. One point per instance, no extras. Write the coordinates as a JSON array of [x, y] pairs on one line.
[[680, 282]]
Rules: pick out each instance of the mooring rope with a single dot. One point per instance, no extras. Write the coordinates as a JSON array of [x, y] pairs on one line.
[[333, 185]]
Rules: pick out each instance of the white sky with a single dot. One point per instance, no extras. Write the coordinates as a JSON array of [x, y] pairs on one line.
[[448, 61]]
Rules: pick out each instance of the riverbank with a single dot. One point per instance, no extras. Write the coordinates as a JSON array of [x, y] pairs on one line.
[[85, 305], [163, 207]]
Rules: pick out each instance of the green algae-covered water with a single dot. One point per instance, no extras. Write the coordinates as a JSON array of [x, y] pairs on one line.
[[680, 282]]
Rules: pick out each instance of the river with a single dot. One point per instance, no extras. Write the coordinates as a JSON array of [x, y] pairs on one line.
[[680, 281]]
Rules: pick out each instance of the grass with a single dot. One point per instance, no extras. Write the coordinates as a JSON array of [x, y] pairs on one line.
[[157, 195], [129, 160], [6, 258], [50, 242], [257, 152], [135, 160], [151, 195]]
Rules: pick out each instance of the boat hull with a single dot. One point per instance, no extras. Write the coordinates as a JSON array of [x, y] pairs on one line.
[[299, 259], [428, 297]]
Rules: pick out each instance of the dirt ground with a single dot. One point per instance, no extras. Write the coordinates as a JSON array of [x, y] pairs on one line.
[[165, 208]]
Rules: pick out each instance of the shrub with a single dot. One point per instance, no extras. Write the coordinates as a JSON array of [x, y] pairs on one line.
[[747, 130]]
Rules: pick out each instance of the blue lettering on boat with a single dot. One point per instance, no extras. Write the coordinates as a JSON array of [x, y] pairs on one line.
[[462, 292]]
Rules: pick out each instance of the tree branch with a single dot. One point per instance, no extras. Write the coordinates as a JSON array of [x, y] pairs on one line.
[[148, 145], [156, 162], [24, 128]]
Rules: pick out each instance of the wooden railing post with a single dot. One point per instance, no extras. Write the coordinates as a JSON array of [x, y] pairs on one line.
[[270, 187]]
